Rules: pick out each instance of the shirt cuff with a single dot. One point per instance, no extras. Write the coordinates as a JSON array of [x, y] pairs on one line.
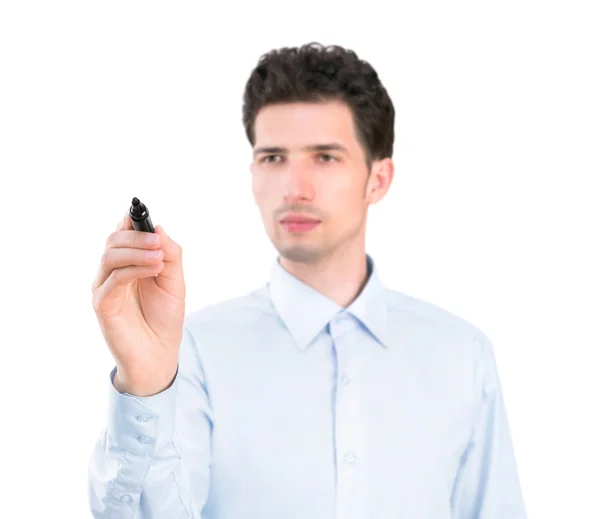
[[141, 424]]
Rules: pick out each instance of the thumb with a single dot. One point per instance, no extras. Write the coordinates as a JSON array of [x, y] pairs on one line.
[[165, 239], [168, 246], [172, 273]]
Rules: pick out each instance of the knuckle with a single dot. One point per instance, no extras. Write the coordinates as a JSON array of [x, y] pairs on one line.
[[106, 258], [110, 240], [96, 300], [115, 276]]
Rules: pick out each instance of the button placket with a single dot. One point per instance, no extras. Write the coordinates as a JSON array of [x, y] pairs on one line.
[[350, 458], [347, 436], [340, 325]]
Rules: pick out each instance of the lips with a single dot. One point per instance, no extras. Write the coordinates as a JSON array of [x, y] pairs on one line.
[[299, 219], [295, 222], [299, 226]]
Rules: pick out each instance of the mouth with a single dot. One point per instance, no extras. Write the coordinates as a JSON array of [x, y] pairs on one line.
[[299, 225], [298, 222]]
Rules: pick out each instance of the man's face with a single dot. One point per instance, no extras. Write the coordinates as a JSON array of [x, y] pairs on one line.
[[289, 178]]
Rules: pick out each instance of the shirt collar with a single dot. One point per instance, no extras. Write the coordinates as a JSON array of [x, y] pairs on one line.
[[305, 311]]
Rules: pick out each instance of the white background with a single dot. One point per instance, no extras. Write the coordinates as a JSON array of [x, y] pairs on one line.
[[493, 213]]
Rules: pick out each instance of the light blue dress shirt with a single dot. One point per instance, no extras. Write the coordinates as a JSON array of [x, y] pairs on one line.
[[288, 406]]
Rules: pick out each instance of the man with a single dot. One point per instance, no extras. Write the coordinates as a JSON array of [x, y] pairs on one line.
[[323, 393]]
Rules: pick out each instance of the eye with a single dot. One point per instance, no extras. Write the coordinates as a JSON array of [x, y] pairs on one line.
[[267, 158], [328, 157]]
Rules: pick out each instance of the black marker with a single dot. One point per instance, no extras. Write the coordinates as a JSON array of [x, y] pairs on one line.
[[140, 216]]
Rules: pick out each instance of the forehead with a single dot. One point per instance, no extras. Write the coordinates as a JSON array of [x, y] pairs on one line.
[[299, 123]]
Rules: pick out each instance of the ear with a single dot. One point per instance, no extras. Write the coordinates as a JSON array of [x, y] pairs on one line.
[[380, 179]]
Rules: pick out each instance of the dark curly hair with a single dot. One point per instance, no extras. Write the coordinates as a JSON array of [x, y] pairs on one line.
[[317, 73]]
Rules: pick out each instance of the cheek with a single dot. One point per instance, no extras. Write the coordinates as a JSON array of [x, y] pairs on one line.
[[341, 195], [258, 190], [350, 207], [263, 199]]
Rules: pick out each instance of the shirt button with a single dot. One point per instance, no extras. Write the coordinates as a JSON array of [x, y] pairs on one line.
[[345, 379], [143, 417], [350, 458], [337, 320], [144, 439], [126, 499]]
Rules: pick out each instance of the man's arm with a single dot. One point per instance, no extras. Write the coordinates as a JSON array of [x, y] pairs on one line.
[[487, 483], [153, 458]]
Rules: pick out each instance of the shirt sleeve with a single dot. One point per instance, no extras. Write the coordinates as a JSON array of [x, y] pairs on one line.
[[487, 483], [153, 458]]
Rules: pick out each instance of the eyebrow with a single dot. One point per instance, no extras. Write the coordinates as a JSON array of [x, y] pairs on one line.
[[313, 147]]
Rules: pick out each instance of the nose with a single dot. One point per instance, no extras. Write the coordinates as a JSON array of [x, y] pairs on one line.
[[298, 183]]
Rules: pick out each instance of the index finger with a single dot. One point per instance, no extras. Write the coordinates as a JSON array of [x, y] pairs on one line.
[[125, 224]]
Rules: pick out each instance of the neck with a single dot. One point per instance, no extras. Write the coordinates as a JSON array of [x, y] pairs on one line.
[[340, 277]]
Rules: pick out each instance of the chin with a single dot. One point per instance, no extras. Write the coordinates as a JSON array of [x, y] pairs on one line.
[[300, 253]]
